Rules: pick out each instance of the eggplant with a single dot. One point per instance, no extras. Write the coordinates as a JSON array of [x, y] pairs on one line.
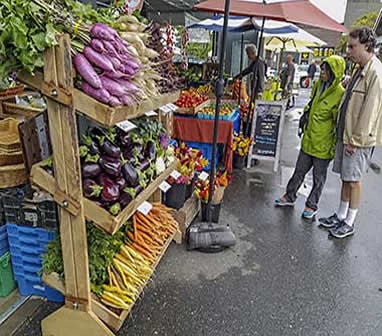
[[91, 188], [138, 189], [126, 140], [93, 148], [110, 191], [130, 174], [150, 151], [115, 209], [91, 170], [110, 149], [128, 154], [145, 164], [138, 147], [122, 184], [125, 199], [111, 166]]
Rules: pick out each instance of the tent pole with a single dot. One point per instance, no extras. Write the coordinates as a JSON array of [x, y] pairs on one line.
[[219, 96], [241, 65]]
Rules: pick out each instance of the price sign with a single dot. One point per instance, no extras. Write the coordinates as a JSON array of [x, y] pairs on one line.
[[165, 109], [151, 114], [203, 176], [164, 186], [126, 126], [173, 107], [175, 174], [145, 208]]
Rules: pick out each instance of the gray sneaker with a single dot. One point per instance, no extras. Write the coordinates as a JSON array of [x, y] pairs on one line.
[[329, 222], [342, 231]]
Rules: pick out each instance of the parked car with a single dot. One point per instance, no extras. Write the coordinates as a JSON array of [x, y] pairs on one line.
[[300, 78]]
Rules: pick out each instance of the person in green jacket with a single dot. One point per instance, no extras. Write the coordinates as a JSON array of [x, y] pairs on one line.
[[319, 140]]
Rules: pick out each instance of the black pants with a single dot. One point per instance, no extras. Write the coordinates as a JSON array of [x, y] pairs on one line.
[[304, 164]]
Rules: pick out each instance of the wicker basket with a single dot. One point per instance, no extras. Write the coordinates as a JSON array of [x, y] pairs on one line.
[[9, 136], [13, 175], [14, 158], [11, 110], [9, 93]]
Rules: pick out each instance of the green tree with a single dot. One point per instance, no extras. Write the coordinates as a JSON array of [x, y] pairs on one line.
[[366, 20]]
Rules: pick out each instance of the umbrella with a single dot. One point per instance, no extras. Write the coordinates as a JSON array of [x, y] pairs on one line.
[[239, 24], [297, 11]]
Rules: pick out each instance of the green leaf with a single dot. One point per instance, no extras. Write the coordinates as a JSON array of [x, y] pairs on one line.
[[50, 37], [39, 41]]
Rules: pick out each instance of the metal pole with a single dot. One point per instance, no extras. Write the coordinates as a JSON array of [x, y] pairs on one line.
[[241, 65], [219, 96], [254, 81]]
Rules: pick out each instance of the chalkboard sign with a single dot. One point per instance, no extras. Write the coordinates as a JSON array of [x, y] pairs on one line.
[[266, 131]]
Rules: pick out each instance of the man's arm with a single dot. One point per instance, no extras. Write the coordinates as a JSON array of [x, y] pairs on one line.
[[245, 72], [370, 112], [260, 76]]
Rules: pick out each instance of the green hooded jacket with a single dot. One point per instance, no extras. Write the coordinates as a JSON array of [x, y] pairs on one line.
[[320, 133]]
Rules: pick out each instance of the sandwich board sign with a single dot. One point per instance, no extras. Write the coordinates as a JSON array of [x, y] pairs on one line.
[[266, 132]]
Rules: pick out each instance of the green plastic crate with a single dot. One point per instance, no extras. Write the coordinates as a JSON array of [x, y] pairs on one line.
[[7, 281]]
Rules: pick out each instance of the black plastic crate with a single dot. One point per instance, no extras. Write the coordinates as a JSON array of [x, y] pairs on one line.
[[21, 207]]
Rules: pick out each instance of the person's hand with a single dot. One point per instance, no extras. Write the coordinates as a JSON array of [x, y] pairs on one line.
[[349, 150], [259, 96], [346, 81]]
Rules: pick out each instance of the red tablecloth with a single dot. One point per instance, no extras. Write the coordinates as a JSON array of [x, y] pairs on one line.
[[199, 130]]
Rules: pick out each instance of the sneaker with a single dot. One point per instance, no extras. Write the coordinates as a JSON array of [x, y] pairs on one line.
[[329, 222], [342, 231], [283, 202], [309, 213]]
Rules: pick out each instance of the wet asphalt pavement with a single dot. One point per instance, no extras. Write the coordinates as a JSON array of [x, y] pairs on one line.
[[284, 277]]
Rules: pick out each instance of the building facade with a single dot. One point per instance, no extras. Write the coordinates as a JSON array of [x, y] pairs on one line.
[[357, 8]]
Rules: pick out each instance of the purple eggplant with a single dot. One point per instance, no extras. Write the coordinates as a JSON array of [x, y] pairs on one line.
[[111, 166], [110, 149], [91, 188], [110, 191], [125, 199], [138, 189], [130, 174], [91, 170], [150, 151], [126, 140], [93, 148], [145, 164], [122, 184]]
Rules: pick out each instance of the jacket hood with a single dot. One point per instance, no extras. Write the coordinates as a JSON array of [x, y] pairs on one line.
[[337, 65]]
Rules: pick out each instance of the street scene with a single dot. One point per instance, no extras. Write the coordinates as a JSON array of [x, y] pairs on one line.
[[204, 168]]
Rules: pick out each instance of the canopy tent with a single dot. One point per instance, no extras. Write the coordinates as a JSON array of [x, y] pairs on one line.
[[295, 11], [241, 24]]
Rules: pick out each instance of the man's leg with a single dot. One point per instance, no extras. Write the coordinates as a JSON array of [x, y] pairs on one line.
[[355, 199], [345, 201]]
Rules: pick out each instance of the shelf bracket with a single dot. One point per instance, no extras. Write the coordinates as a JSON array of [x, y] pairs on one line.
[[66, 202], [58, 94]]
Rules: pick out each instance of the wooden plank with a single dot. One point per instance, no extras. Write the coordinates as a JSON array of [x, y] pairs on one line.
[[43, 179], [187, 214], [111, 224]]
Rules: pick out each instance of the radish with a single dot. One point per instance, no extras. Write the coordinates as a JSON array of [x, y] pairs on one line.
[[86, 70], [113, 87], [97, 45], [100, 94], [114, 101], [103, 32], [98, 59]]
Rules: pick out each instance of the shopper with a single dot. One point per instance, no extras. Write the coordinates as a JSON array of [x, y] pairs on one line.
[[319, 140], [287, 76], [312, 70], [359, 129], [256, 63]]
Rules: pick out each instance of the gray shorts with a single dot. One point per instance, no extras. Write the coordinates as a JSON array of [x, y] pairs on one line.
[[351, 167]]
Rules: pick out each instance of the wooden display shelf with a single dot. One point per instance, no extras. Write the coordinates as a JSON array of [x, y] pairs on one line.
[[111, 318], [102, 113], [93, 212], [187, 214]]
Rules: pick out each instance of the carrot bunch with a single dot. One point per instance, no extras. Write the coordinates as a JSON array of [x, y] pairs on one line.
[[151, 232]]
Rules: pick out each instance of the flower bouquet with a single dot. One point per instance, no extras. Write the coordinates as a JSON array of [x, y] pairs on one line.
[[241, 147]]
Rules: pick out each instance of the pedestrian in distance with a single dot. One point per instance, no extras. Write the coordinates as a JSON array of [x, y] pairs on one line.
[[312, 70], [318, 125], [359, 129], [255, 80]]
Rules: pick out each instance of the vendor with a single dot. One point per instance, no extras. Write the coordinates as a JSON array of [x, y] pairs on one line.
[[258, 81]]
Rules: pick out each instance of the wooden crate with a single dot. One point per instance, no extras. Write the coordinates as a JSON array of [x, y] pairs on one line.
[[113, 319], [187, 214], [20, 112], [95, 213], [14, 158], [104, 114], [193, 111]]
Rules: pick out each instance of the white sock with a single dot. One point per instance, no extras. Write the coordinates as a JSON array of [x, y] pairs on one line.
[[350, 218], [343, 210]]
